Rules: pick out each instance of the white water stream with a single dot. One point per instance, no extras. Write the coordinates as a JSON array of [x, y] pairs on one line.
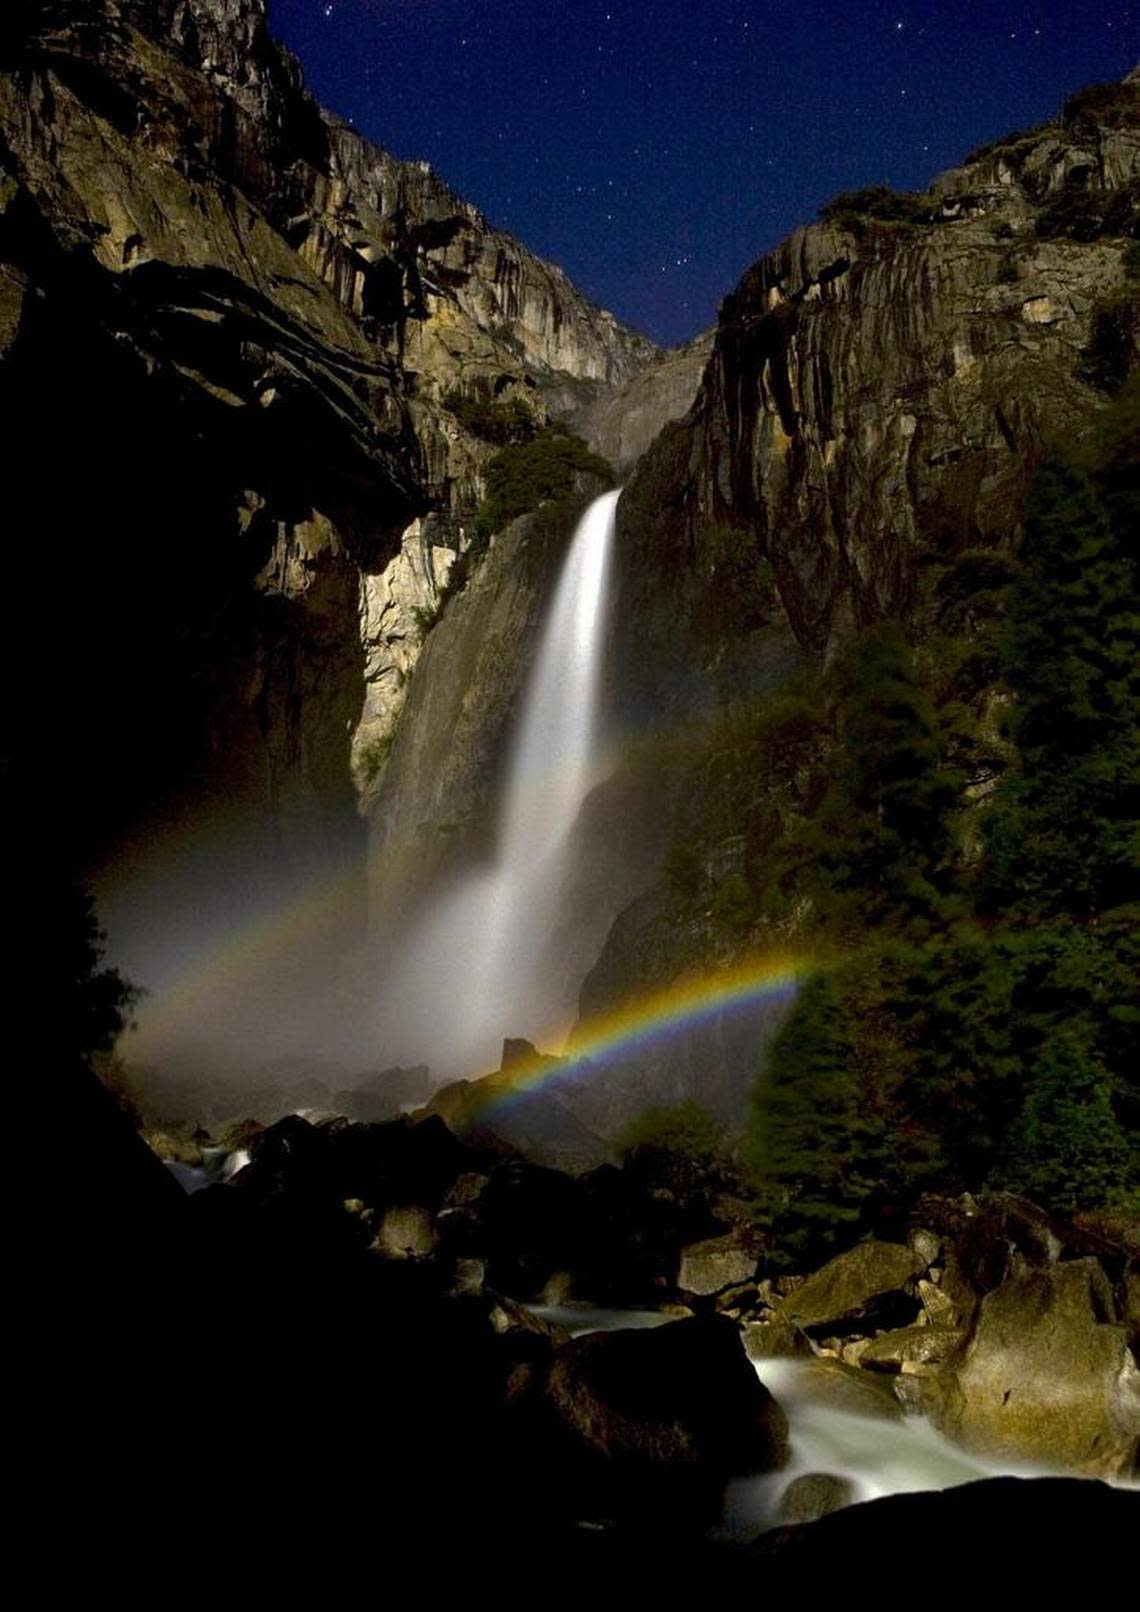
[[479, 966], [878, 1455]]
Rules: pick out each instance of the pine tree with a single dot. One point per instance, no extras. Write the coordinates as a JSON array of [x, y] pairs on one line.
[[881, 835], [1064, 830], [1068, 1148], [815, 1151]]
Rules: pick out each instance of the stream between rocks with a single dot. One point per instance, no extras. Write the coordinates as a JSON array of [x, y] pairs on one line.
[[870, 1455]]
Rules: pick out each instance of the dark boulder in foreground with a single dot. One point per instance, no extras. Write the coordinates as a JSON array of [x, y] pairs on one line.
[[1004, 1523], [647, 1426]]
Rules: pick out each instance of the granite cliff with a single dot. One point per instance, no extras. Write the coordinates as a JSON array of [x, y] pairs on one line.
[[249, 328]]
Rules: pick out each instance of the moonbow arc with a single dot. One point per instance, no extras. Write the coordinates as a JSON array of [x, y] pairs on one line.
[[654, 1017]]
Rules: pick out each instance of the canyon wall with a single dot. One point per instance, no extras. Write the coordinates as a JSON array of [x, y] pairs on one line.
[[236, 323]]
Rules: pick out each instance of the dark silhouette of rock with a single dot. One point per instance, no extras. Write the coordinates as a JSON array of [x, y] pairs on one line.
[[647, 1426], [1000, 1520]]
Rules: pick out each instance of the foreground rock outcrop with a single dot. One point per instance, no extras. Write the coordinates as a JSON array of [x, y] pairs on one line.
[[1046, 1372], [655, 1422], [1002, 1326], [998, 1516]]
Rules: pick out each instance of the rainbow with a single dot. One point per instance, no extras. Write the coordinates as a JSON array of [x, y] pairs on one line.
[[644, 1022], [183, 991]]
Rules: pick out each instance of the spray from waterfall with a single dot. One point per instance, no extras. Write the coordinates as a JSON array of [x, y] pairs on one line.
[[481, 964]]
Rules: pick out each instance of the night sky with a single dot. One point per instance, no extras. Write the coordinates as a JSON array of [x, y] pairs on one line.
[[655, 148]]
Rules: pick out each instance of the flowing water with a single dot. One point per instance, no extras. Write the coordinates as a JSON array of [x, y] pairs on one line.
[[878, 1455], [480, 965]]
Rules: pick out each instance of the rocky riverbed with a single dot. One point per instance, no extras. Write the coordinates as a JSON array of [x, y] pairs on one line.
[[982, 1336]]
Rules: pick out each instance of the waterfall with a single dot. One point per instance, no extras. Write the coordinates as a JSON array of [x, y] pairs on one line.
[[480, 964]]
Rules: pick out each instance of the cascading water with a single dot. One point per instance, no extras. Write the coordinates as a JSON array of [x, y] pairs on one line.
[[479, 965]]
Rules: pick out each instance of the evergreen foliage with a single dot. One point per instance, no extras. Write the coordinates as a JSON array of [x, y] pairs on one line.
[[978, 1023], [851, 208], [1068, 1147], [880, 839], [98, 1002], [686, 1130], [1064, 832], [493, 419], [526, 474], [1080, 214], [815, 1146]]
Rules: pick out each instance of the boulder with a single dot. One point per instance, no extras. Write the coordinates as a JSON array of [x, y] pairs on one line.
[[468, 1276], [1046, 1375], [406, 1232], [915, 1350], [174, 1146], [1132, 1303], [718, 1262], [813, 1495], [776, 1339], [507, 1316], [740, 1302], [1020, 1528], [937, 1304], [927, 1245], [865, 1282], [840, 1387], [650, 1424], [529, 1223], [1005, 1237], [395, 1163]]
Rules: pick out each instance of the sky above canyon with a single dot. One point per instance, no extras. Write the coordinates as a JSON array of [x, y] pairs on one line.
[[656, 148]]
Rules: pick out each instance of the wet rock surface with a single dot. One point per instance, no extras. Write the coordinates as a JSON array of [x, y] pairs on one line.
[[813, 1495]]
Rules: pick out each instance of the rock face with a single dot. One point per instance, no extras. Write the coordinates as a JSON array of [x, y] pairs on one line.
[[1047, 1373], [874, 387], [621, 424], [243, 321]]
